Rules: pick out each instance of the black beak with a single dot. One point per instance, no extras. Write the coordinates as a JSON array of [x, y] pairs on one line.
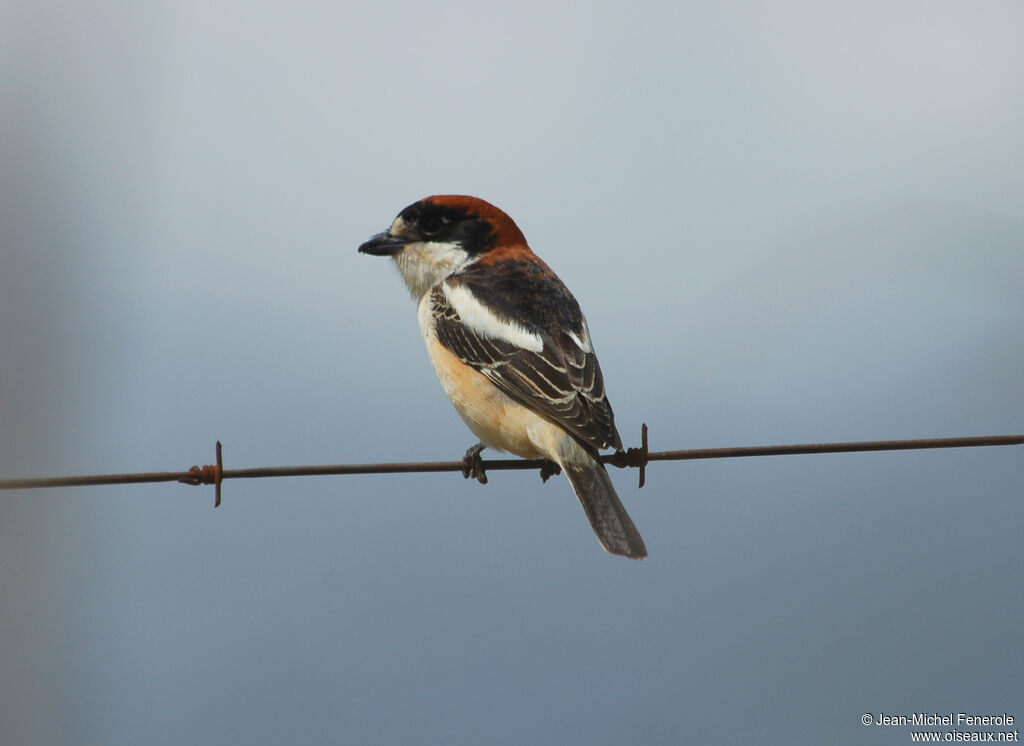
[[383, 244]]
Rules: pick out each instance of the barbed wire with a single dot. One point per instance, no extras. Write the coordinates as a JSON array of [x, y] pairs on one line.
[[631, 458]]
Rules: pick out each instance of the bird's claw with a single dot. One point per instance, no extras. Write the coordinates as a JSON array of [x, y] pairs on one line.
[[549, 469], [473, 465]]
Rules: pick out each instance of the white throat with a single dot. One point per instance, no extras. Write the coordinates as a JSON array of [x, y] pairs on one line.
[[426, 263]]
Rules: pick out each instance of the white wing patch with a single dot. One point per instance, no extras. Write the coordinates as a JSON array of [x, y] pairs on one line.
[[582, 342], [482, 320]]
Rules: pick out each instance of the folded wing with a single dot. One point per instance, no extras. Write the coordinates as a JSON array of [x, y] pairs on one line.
[[541, 359]]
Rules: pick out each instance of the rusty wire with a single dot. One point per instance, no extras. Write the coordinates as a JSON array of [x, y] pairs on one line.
[[632, 458]]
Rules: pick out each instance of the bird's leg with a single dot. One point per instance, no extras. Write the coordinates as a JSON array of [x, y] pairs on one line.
[[473, 465], [549, 469]]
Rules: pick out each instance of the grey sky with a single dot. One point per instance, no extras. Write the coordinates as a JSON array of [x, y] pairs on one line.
[[785, 222]]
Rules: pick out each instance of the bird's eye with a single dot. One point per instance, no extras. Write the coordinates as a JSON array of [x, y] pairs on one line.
[[431, 224]]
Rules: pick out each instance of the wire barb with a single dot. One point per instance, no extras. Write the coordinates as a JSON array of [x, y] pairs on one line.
[[635, 458], [208, 474]]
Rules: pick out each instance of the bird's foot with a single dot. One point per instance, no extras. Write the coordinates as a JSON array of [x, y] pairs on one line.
[[550, 469], [473, 465]]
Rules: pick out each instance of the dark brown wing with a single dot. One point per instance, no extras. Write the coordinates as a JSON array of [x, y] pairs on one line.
[[561, 381]]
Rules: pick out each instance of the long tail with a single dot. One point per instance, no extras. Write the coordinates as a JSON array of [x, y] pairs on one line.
[[609, 519]]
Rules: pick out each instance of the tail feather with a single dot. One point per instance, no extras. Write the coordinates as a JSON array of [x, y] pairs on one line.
[[609, 519]]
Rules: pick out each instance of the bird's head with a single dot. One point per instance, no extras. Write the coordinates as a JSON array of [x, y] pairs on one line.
[[437, 236]]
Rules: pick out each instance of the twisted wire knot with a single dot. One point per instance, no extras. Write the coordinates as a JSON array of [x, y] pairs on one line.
[[636, 458], [208, 474]]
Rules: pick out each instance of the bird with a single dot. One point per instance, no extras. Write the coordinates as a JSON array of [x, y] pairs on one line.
[[511, 348]]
